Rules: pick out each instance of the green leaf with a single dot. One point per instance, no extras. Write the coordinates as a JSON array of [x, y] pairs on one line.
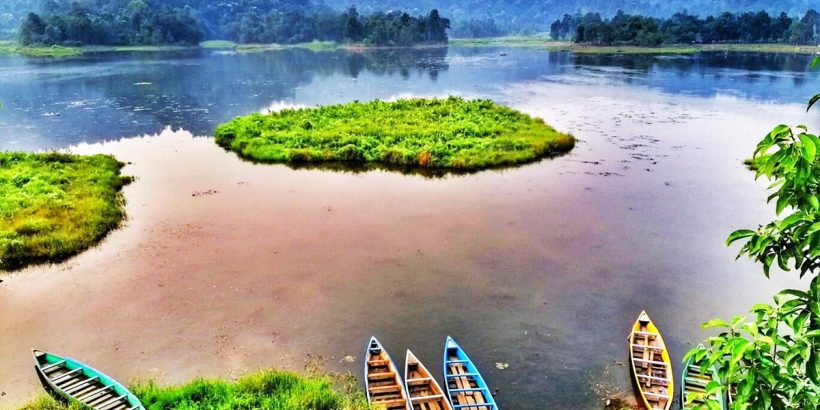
[[809, 149], [739, 234], [812, 101], [715, 323]]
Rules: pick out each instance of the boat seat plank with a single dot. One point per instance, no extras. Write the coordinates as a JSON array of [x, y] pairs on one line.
[[94, 393], [52, 366], [63, 376]]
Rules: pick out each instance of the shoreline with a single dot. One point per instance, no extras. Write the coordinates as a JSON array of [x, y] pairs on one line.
[[55, 51]]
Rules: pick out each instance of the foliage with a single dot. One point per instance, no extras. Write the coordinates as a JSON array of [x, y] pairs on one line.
[[773, 362], [436, 133], [526, 17], [269, 390], [156, 22], [394, 28], [684, 28], [117, 23], [53, 205]]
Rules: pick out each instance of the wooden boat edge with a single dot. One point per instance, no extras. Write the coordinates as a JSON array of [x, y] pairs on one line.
[[131, 397], [664, 355]]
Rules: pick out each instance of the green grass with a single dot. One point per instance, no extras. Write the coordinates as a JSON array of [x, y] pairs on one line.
[[508, 41], [451, 133], [584, 49], [53, 206], [7, 47], [269, 390], [135, 49], [218, 44], [258, 48]]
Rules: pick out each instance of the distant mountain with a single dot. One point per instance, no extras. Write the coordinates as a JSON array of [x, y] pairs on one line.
[[538, 14]]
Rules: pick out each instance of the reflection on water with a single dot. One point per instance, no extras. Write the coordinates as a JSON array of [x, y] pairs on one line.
[[54, 103], [543, 266]]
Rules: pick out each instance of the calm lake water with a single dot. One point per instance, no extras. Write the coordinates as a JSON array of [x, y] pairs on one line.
[[226, 266]]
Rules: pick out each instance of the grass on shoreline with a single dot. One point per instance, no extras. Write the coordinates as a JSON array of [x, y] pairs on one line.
[[451, 133], [7, 47], [270, 389], [53, 206], [549, 44]]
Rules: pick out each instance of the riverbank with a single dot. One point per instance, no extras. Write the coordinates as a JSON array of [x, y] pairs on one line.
[[54, 206], [268, 389], [8, 47], [450, 133], [547, 43]]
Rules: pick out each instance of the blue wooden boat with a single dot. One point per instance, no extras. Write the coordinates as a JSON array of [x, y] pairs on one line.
[[383, 384], [694, 381], [70, 380], [466, 388]]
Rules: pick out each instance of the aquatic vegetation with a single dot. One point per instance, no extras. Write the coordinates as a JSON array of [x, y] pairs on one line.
[[270, 389], [7, 47], [450, 133], [53, 206]]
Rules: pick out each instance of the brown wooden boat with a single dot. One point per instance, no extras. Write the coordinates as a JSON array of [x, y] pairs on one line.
[[422, 389], [385, 390]]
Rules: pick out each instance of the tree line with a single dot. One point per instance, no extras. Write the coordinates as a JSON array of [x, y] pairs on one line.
[[684, 28], [155, 22]]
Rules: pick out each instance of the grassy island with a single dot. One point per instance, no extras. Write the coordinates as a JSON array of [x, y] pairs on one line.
[[264, 390], [52, 206], [450, 133]]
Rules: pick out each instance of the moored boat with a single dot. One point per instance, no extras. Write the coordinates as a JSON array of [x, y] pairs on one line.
[[651, 365], [423, 390], [466, 388], [71, 380], [694, 381], [383, 384]]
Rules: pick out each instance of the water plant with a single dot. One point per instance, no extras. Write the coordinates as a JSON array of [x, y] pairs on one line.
[[54, 205], [451, 133]]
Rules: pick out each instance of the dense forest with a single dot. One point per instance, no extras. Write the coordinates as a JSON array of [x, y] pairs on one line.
[[153, 22], [684, 28], [534, 16]]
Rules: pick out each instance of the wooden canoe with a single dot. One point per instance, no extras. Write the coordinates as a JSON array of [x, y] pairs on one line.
[[466, 388], [422, 389], [385, 390], [70, 380], [651, 365], [694, 381]]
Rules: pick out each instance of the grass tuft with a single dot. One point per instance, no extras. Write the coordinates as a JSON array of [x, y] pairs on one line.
[[269, 390], [53, 206], [450, 133]]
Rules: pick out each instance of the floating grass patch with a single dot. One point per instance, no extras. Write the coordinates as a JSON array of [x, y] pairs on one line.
[[53, 206], [269, 390], [450, 133]]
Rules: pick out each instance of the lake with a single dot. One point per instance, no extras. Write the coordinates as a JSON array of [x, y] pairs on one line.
[[225, 266]]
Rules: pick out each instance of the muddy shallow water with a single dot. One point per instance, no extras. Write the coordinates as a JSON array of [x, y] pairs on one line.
[[225, 266]]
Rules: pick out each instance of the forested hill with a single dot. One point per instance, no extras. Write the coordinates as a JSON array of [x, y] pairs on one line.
[[515, 15], [159, 22]]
